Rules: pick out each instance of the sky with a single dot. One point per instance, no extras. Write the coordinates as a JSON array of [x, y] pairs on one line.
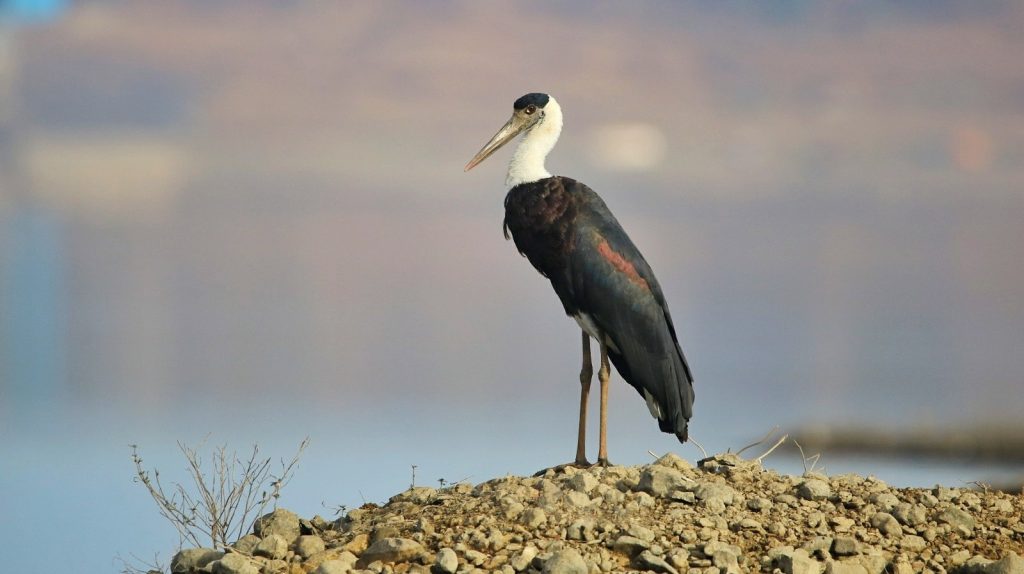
[[248, 221]]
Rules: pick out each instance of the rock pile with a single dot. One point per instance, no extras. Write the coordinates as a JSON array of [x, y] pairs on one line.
[[726, 516]]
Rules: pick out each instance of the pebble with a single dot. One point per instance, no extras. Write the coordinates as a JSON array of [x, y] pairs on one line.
[[446, 562], [534, 517], [284, 523], [234, 564], [1009, 564], [720, 518], [797, 562], [565, 562], [630, 545], [660, 481], [333, 567], [523, 559], [886, 524], [272, 546], [958, 519], [647, 560], [833, 567], [845, 546], [193, 559], [583, 482], [814, 489], [246, 544], [391, 550]]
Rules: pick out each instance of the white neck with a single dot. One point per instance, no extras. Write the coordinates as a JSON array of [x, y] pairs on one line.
[[527, 162]]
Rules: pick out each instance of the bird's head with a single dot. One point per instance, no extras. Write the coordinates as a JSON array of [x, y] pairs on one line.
[[528, 112]]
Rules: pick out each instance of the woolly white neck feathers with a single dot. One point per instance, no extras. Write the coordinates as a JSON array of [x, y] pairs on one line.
[[527, 164]]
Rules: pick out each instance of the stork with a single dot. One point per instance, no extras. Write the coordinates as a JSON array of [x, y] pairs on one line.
[[569, 235]]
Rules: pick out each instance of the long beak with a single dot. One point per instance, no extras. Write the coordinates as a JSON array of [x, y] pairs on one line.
[[513, 127]]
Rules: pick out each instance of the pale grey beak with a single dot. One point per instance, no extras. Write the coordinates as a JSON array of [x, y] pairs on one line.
[[516, 125]]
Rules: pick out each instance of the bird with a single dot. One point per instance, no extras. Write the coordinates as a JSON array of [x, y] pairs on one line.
[[570, 236]]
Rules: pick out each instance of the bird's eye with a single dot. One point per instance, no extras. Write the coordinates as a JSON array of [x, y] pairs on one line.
[[530, 109]]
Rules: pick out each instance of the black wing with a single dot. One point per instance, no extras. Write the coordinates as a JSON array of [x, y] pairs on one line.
[[610, 281]]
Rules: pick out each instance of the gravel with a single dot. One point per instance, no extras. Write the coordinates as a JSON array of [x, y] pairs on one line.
[[725, 516]]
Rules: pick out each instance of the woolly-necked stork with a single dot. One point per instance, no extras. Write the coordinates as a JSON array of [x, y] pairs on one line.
[[569, 235]]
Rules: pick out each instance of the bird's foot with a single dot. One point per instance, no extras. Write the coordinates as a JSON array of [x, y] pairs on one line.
[[603, 463], [578, 463]]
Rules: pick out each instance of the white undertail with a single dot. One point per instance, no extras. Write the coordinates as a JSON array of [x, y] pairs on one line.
[[527, 162]]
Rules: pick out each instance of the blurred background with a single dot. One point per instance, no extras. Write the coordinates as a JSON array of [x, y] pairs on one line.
[[248, 221]]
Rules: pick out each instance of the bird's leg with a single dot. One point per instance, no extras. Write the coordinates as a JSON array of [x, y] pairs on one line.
[[586, 374], [603, 375]]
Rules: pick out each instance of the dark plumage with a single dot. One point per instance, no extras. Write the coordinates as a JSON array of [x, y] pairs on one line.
[[569, 235]]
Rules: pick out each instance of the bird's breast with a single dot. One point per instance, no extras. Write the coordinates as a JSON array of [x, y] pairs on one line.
[[541, 217]]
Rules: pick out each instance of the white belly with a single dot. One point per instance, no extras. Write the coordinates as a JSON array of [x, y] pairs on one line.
[[586, 322]]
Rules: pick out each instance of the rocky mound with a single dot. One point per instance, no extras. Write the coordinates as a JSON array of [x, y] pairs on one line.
[[727, 515]]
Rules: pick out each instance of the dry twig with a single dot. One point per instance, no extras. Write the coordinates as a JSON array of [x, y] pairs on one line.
[[221, 503], [760, 441], [778, 443]]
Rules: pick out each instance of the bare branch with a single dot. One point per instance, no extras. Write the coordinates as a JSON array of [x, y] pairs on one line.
[[779, 442], [697, 444], [760, 441], [222, 501]]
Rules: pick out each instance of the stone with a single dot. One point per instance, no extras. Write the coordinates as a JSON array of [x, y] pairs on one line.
[[333, 567], [885, 501], [446, 562], [872, 563], [358, 544], [913, 543], [390, 550], [841, 523], [716, 547], [833, 567], [886, 524], [959, 557], [714, 492], [534, 517], [910, 514], [641, 532], [845, 546], [522, 560], [1011, 563], [813, 489], [583, 482], [629, 545], [234, 564], [748, 524], [679, 558], [797, 561], [647, 560], [246, 544], [661, 481], [308, 545], [384, 531], [1002, 506], [577, 498], [475, 557], [565, 561], [582, 529], [819, 545], [416, 494], [684, 496], [272, 546], [284, 523], [961, 521], [192, 559], [673, 460]]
